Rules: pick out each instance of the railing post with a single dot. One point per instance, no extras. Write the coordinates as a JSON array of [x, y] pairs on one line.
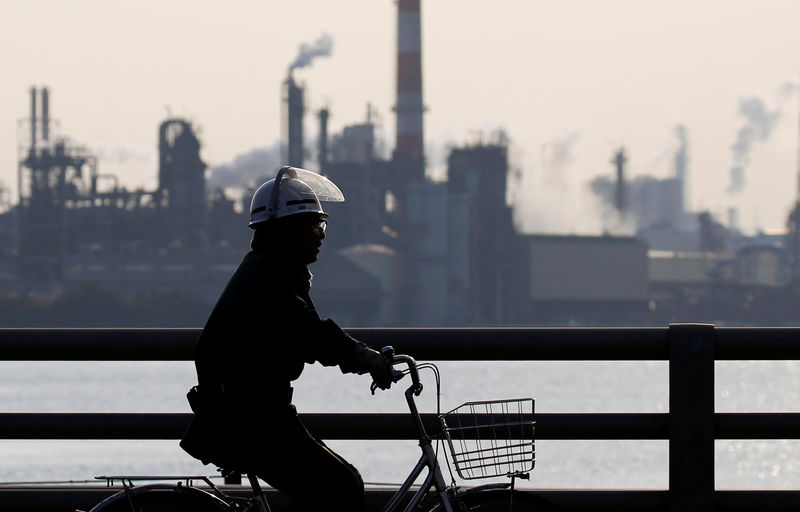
[[691, 417]]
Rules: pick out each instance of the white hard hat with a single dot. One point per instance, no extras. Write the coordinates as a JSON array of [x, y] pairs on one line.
[[297, 191]]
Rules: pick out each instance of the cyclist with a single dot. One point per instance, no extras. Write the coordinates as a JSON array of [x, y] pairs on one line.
[[259, 336]]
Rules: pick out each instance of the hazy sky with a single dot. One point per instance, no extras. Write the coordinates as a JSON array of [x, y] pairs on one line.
[[569, 81]]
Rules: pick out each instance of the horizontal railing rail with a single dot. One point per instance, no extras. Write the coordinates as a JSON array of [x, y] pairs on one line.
[[691, 426], [440, 344], [395, 426]]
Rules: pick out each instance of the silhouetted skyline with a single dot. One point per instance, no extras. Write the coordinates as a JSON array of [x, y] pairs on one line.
[[619, 73]]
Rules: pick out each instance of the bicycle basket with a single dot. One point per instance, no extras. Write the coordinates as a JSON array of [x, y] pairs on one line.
[[491, 438]]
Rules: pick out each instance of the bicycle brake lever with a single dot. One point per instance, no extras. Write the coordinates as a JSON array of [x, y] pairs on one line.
[[396, 376]]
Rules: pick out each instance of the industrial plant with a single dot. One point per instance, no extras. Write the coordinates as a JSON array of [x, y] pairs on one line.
[[403, 250]]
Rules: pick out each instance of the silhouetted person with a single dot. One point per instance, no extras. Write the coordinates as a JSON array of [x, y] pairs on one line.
[[260, 334]]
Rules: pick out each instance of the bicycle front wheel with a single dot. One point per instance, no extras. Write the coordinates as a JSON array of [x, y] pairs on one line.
[[501, 500]]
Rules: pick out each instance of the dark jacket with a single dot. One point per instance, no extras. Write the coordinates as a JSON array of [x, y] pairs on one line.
[[259, 336]]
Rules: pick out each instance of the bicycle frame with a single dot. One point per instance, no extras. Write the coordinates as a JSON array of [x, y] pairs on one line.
[[428, 458], [447, 495]]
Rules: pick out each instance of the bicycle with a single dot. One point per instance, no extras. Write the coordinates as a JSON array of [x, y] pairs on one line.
[[486, 439]]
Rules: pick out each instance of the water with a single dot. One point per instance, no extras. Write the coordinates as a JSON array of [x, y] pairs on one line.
[[751, 386]]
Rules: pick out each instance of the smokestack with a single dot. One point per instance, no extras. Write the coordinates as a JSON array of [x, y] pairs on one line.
[[795, 215], [322, 47], [733, 218], [798, 144], [681, 162], [619, 192], [322, 148], [33, 117], [45, 114], [409, 108], [295, 109]]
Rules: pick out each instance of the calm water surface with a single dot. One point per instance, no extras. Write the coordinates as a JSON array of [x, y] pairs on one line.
[[749, 386]]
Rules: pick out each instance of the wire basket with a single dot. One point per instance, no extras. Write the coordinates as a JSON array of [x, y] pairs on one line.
[[491, 438]]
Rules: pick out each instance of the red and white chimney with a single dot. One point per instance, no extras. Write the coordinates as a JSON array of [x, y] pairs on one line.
[[409, 108]]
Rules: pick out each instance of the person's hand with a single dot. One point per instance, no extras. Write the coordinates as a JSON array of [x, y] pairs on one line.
[[381, 371]]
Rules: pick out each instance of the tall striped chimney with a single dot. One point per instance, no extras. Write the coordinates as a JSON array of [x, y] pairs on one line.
[[409, 151]]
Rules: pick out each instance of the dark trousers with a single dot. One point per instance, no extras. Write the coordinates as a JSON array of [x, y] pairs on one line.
[[298, 464]]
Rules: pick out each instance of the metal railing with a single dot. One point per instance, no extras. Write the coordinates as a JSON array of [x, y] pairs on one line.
[[691, 426]]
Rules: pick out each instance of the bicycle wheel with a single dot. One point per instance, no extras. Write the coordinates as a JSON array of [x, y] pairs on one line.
[[501, 500], [161, 498]]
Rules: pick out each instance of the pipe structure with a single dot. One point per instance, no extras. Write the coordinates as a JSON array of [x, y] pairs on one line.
[[409, 108], [619, 162], [795, 215], [33, 117], [45, 114], [322, 148], [681, 164], [295, 110]]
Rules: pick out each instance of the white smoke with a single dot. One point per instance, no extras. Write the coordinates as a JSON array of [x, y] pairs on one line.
[[247, 169], [322, 47], [672, 157], [759, 123], [648, 199], [603, 189], [561, 150], [123, 153], [552, 198]]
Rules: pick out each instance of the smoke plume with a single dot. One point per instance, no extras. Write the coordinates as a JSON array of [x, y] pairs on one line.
[[322, 47], [648, 200], [551, 197], [759, 123], [561, 150], [123, 154], [247, 169]]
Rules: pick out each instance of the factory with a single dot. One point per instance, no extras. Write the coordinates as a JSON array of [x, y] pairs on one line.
[[403, 250], [76, 224]]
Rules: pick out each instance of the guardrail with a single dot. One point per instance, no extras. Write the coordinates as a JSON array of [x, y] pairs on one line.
[[691, 426]]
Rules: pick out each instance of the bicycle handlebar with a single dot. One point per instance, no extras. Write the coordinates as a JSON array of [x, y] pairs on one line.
[[388, 354], [412, 370]]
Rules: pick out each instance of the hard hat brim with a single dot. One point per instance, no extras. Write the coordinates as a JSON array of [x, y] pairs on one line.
[[325, 189]]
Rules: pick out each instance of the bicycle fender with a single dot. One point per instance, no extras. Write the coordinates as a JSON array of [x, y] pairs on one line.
[[155, 496]]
